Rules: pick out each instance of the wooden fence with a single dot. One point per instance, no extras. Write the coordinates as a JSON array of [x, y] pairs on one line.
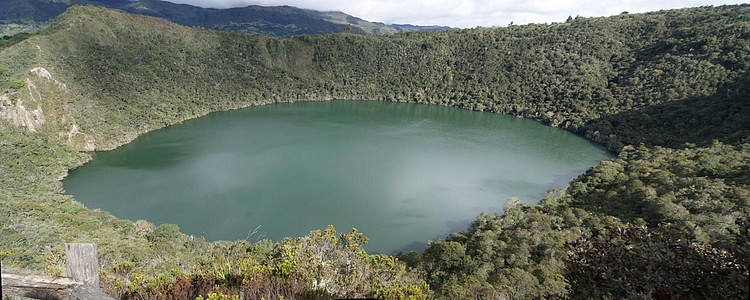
[[80, 279]]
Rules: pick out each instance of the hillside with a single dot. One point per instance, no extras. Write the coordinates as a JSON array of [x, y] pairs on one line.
[[32, 15], [666, 90]]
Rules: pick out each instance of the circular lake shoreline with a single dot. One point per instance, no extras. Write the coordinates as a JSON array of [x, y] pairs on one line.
[[401, 173]]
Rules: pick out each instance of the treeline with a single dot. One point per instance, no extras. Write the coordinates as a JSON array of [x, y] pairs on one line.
[[667, 90]]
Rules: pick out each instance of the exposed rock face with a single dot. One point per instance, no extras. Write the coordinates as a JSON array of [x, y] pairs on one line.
[[25, 109], [18, 113], [43, 73]]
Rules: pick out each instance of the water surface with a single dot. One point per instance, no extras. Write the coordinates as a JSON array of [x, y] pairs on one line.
[[402, 174]]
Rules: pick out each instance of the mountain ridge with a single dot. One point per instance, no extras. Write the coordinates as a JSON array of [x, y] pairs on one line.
[[32, 15]]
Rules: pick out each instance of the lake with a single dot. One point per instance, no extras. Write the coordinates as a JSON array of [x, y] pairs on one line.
[[400, 173]]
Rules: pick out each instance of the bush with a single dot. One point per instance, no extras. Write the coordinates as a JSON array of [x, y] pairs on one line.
[[15, 84], [164, 233]]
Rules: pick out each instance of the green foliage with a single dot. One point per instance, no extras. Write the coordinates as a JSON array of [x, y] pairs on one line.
[[635, 262], [703, 189], [4, 254], [320, 265], [14, 60], [723, 116], [15, 84], [666, 79], [404, 292], [31, 15], [217, 296], [519, 254], [164, 233], [587, 74], [8, 41], [692, 198]]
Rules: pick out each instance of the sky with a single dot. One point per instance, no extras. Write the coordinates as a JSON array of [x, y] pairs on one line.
[[469, 13]]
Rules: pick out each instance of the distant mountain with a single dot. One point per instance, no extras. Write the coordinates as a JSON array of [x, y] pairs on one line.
[[31, 15], [370, 27]]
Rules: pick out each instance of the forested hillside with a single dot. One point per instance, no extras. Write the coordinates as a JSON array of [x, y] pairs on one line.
[[666, 90]]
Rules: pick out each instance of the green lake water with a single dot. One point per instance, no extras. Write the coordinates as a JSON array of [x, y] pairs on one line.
[[402, 174]]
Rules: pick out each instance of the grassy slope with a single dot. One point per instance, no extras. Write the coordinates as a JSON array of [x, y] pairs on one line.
[[125, 77]]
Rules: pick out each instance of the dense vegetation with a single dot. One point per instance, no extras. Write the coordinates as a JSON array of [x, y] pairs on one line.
[[676, 217], [666, 90], [32, 15]]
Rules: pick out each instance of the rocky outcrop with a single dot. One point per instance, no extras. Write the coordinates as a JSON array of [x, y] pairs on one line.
[[44, 74], [23, 108], [20, 114]]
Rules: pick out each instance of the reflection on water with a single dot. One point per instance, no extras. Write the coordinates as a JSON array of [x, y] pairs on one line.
[[402, 174]]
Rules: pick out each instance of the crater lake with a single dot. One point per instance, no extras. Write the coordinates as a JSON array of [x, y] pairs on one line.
[[402, 174]]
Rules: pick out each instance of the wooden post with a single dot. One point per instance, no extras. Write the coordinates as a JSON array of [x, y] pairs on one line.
[[48, 287], [37, 287], [83, 263]]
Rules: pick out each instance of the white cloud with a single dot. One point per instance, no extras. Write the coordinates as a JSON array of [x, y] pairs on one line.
[[469, 13]]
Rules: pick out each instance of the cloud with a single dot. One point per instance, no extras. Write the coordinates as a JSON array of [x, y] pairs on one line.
[[469, 13]]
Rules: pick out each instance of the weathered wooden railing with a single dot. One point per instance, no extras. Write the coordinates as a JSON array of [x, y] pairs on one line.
[[80, 279]]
